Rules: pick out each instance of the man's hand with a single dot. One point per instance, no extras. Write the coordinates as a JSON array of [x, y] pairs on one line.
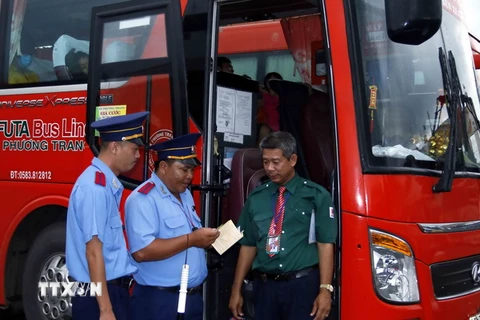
[[322, 305], [236, 304], [204, 237], [107, 315]]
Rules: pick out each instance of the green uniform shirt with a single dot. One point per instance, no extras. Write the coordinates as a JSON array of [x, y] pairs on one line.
[[296, 253]]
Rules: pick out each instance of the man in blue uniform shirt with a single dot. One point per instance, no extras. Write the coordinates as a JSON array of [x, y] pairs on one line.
[[161, 223], [96, 250]]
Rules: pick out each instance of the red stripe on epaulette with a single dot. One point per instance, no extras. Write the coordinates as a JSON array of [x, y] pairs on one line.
[[100, 178], [147, 187]]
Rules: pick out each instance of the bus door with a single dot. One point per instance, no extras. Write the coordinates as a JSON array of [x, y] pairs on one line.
[[229, 119], [136, 64]]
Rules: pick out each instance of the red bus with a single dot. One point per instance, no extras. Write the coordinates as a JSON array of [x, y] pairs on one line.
[[387, 122]]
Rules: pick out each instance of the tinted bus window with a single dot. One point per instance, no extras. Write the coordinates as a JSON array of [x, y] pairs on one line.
[[257, 64], [49, 41]]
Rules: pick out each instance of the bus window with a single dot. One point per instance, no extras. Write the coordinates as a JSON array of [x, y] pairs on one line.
[[52, 46], [245, 64], [283, 63], [257, 64]]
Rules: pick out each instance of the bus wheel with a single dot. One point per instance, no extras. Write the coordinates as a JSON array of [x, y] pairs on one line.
[[46, 263]]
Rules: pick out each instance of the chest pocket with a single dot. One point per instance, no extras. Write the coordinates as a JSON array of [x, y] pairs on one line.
[[174, 226], [302, 210], [115, 239], [262, 224]]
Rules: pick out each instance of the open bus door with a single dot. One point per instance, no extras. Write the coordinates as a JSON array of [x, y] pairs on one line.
[[136, 64], [220, 13]]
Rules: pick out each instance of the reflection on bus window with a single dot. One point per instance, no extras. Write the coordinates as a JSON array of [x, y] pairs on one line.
[[125, 40], [406, 105], [49, 42]]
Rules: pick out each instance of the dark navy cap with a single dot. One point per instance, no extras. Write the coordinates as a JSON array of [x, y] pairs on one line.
[[180, 148], [122, 128]]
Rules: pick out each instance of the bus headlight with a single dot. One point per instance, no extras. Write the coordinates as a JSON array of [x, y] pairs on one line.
[[393, 268]]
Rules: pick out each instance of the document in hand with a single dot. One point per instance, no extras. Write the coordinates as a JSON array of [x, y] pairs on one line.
[[229, 235]]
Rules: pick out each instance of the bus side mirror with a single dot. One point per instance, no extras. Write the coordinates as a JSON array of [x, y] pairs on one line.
[[319, 64], [412, 21]]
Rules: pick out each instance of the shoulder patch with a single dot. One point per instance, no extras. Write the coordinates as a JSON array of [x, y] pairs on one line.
[[100, 178], [146, 188]]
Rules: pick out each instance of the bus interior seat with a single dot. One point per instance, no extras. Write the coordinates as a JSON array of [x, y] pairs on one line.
[[293, 97], [62, 46], [317, 138], [247, 173]]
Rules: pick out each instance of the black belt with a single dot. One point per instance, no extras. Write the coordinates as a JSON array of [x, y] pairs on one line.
[[124, 282], [285, 276], [176, 289]]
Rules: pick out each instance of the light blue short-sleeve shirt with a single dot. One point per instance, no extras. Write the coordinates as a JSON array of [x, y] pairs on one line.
[[158, 214], [93, 211]]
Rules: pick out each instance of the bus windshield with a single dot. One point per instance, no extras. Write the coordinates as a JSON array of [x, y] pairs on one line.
[[404, 108]]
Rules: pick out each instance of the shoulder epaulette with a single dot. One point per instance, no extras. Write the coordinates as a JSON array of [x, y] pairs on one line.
[[100, 178], [314, 185], [146, 188], [261, 187]]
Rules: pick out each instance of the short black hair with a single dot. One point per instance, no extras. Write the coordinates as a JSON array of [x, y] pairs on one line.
[[280, 140], [222, 60], [269, 76]]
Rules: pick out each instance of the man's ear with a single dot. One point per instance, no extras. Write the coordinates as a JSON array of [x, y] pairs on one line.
[[113, 147], [162, 167], [293, 160]]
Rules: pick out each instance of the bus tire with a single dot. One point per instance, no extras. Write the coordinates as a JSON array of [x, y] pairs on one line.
[[46, 262]]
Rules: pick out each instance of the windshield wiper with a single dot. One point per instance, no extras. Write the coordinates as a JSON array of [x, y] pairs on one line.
[[453, 93]]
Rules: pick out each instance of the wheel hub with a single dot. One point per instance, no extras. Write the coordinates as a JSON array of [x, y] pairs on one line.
[[54, 306]]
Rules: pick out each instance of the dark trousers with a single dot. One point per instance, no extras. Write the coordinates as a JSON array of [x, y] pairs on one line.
[[286, 300], [150, 303], [86, 307]]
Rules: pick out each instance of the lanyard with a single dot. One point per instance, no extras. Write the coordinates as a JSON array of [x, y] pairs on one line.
[[187, 216]]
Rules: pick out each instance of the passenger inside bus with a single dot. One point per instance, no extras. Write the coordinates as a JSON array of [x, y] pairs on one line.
[[225, 65], [26, 67], [73, 50], [271, 102], [77, 64], [19, 72]]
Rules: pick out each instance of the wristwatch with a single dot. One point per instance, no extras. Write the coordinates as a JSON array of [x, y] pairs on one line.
[[329, 287]]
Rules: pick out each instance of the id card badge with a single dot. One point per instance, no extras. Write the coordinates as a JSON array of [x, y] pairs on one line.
[[273, 245], [312, 238]]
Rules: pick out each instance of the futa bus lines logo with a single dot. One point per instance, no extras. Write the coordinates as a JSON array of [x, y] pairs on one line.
[[70, 289]]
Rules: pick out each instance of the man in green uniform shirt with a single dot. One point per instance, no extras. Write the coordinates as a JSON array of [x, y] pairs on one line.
[[290, 228]]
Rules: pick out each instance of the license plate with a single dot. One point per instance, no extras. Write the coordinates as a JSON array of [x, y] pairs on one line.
[[475, 317]]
